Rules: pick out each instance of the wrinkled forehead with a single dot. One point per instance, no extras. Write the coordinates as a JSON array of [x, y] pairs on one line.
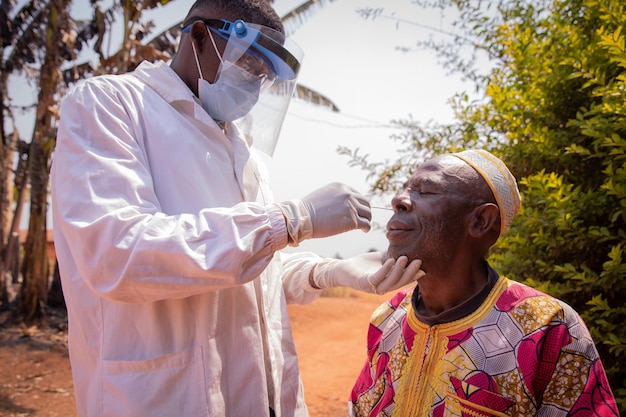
[[448, 168]]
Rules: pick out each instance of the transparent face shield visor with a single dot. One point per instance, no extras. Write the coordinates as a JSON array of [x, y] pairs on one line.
[[266, 53]]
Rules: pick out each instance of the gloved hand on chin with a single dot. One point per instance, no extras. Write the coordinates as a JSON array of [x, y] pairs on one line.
[[370, 272], [332, 209]]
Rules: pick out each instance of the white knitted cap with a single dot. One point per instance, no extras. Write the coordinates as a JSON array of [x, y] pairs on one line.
[[500, 180]]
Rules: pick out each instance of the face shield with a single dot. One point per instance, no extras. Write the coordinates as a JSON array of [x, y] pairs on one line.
[[265, 53]]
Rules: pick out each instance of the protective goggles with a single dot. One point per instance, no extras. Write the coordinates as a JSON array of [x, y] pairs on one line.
[[256, 48]]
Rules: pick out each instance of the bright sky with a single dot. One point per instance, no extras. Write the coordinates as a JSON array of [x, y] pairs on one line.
[[354, 62]]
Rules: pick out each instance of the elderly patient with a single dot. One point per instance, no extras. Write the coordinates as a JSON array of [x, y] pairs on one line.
[[465, 341]]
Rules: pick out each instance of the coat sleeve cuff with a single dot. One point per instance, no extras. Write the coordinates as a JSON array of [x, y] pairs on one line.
[[278, 223]]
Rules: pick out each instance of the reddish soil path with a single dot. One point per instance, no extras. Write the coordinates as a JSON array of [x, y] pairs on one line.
[[36, 381], [330, 340]]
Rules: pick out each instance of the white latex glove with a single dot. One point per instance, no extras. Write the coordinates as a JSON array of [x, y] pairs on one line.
[[332, 209], [369, 272]]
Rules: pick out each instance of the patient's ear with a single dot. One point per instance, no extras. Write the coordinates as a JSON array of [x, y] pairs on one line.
[[485, 220]]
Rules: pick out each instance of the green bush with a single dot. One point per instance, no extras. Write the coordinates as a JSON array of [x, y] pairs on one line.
[[570, 156]]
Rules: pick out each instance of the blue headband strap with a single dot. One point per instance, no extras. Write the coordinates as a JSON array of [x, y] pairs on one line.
[[255, 42]]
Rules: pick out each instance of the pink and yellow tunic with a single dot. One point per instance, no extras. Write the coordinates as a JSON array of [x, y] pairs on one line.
[[521, 353]]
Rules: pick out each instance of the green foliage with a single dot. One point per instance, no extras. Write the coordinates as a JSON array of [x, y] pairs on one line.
[[570, 236], [554, 109], [561, 101]]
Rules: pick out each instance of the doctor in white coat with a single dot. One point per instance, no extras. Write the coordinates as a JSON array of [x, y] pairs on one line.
[[168, 238]]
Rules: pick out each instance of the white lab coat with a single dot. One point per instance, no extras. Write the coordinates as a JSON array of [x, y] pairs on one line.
[[166, 239]]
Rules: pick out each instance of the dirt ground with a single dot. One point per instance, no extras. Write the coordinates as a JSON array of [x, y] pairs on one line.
[[36, 381]]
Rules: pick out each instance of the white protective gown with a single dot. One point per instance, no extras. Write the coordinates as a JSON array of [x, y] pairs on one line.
[[166, 239]]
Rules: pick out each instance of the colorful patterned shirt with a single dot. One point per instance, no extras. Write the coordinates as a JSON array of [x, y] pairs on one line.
[[520, 353]]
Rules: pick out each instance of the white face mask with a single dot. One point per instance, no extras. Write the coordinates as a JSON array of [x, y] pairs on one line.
[[232, 95]]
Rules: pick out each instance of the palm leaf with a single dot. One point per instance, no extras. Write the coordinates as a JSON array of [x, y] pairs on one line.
[[298, 16]]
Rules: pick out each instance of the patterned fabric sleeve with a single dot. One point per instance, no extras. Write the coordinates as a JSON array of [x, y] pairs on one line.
[[366, 399], [557, 359], [587, 391]]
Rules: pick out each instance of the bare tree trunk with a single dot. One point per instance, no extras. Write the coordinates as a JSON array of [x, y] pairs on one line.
[[34, 290], [7, 151], [9, 267]]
